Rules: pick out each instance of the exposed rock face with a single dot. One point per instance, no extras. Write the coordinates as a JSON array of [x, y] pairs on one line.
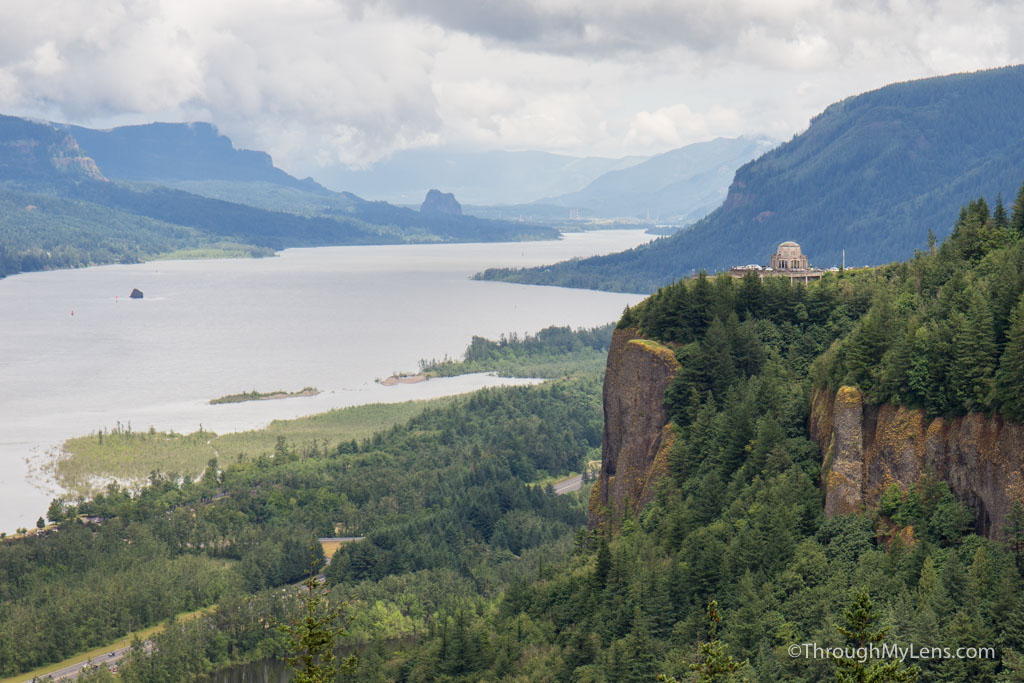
[[637, 438], [441, 202], [40, 151], [136, 294], [67, 157], [867, 448]]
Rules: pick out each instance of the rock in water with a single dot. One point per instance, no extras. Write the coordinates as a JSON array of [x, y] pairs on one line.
[[441, 202], [136, 294]]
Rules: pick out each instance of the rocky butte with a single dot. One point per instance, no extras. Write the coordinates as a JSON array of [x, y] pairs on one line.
[[441, 202], [637, 436]]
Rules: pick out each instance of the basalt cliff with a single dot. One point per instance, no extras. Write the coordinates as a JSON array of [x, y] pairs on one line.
[[867, 448], [637, 436]]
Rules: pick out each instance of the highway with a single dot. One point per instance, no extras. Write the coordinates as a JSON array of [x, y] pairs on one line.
[[573, 483], [74, 670]]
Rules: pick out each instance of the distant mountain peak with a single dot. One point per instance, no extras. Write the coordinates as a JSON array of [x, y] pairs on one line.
[[441, 202]]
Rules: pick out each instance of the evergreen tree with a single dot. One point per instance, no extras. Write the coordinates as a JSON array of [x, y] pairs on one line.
[[713, 662], [1009, 380], [1017, 217], [974, 355], [315, 635], [603, 566], [999, 219], [717, 359], [861, 631]]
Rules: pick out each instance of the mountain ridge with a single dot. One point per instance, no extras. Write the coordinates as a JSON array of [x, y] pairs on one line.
[[680, 185], [871, 175]]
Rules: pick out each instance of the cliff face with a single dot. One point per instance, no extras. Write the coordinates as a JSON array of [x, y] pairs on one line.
[[31, 151], [867, 448], [636, 439]]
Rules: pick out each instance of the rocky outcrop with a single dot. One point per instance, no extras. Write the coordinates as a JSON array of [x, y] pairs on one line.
[[637, 437], [67, 157], [136, 294], [868, 448], [34, 151], [441, 202]]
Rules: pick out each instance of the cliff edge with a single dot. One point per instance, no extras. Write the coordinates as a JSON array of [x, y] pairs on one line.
[[867, 448], [637, 437]]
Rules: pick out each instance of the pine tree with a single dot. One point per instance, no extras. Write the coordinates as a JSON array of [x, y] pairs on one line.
[[999, 218], [861, 631], [603, 566], [1015, 535], [974, 356], [313, 637], [1009, 380], [713, 662], [717, 358], [1017, 217]]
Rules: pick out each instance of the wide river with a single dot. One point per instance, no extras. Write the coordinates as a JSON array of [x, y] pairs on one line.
[[77, 355]]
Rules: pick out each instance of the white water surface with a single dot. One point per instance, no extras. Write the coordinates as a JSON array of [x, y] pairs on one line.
[[77, 355]]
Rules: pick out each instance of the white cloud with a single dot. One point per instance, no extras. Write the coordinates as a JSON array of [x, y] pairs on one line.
[[321, 82], [677, 125]]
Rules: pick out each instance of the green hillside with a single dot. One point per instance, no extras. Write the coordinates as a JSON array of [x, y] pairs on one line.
[[732, 572], [871, 175], [63, 210]]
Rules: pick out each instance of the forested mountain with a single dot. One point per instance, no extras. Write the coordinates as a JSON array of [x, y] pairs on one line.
[[61, 210], [679, 186], [871, 175]]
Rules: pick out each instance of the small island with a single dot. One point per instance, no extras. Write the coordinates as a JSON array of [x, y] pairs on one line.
[[403, 379], [261, 396]]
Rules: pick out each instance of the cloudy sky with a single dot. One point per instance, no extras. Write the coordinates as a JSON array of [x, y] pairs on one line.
[[324, 82]]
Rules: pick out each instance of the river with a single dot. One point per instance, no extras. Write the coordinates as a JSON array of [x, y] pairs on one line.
[[77, 355]]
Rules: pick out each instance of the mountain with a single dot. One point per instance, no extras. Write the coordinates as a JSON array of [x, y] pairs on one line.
[[871, 175], [60, 208], [494, 177], [179, 151], [679, 186]]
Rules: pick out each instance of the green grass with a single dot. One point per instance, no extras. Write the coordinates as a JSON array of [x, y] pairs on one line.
[[213, 252], [87, 463], [335, 426]]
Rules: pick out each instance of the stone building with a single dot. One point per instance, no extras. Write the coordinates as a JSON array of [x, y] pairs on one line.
[[787, 261], [788, 257]]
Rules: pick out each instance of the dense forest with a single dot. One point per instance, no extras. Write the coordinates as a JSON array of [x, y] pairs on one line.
[[871, 175], [551, 353], [468, 572], [43, 231]]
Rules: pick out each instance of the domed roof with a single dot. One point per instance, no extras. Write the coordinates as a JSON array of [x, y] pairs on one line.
[[789, 244]]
